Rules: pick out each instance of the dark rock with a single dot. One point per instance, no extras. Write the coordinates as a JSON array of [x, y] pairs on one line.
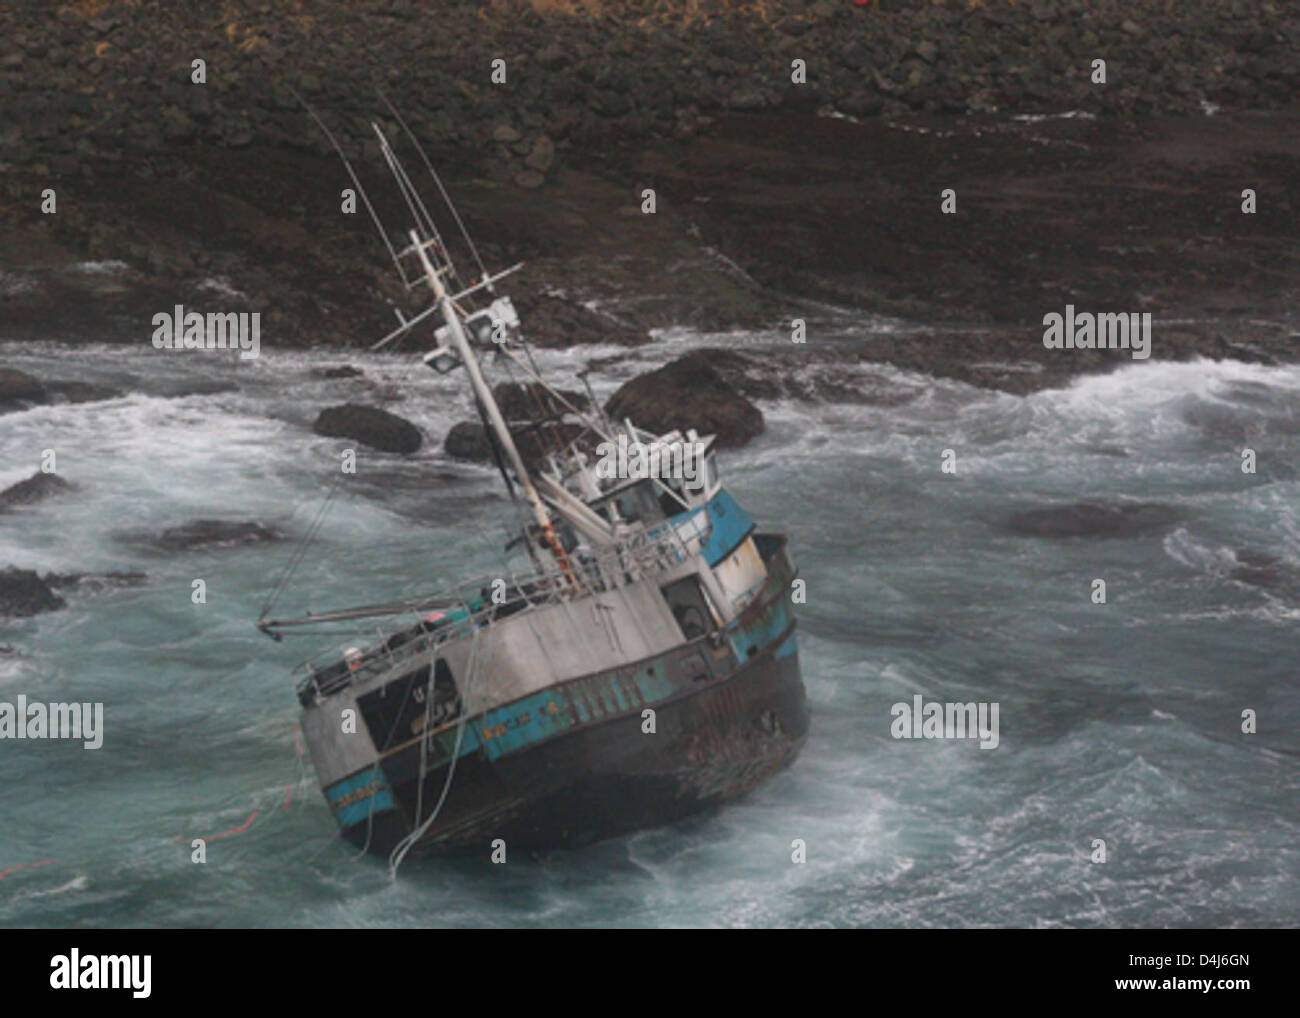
[[746, 98], [341, 371], [39, 486], [526, 401], [23, 593], [370, 426], [467, 441], [214, 533], [1257, 569], [95, 582], [1093, 519], [19, 390], [550, 321], [79, 392], [688, 393]]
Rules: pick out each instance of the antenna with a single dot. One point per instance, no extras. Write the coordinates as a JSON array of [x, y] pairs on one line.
[[483, 272], [374, 217]]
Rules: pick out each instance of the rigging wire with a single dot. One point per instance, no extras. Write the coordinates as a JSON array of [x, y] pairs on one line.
[[374, 216], [300, 550], [437, 180], [404, 846]]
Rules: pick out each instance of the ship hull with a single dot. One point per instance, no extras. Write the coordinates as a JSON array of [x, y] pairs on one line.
[[708, 747]]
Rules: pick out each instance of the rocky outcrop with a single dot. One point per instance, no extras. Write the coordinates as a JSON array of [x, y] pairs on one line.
[[688, 393], [521, 401], [35, 488], [24, 593], [551, 321], [19, 390], [370, 426], [467, 441], [1093, 519], [213, 534]]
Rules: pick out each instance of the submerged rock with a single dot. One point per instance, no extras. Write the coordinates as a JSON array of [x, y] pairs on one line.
[[214, 533], [95, 582], [469, 441], [39, 486], [1257, 569], [79, 392], [23, 593], [19, 390], [339, 371], [370, 426], [1093, 519], [688, 393]]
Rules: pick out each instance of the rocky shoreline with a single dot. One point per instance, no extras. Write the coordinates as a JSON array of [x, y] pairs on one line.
[[771, 195]]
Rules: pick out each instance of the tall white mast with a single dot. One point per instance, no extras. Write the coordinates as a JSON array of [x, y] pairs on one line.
[[493, 412]]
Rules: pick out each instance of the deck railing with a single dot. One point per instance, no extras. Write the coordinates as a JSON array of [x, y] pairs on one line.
[[471, 604]]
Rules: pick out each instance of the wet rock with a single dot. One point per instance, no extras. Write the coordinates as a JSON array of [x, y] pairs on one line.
[[551, 321], [23, 593], [688, 393], [370, 426], [1257, 569], [214, 534], [340, 371], [521, 401], [80, 392], [467, 441], [37, 487], [19, 390], [1093, 519], [93, 583]]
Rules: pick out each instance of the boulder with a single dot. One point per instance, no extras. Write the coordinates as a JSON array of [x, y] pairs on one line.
[[688, 393], [23, 593], [214, 533], [38, 486], [370, 426], [467, 441], [1093, 519], [551, 321], [19, 390], [521, 401]]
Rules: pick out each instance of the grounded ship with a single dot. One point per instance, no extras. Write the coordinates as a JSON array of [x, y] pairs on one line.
[[644, 667]]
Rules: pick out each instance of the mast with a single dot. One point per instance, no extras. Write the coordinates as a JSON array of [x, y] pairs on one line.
[[489, 404]]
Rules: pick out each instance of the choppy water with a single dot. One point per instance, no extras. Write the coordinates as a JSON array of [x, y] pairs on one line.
[[1118, 722]]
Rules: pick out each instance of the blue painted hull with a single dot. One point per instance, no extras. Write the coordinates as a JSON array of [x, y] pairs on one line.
[[576, 762]]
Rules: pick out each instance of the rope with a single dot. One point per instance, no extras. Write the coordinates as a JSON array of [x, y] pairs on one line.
[[300, 550], [405, 845]]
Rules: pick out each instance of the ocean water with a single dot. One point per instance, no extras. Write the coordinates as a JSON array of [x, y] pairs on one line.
[[1119, 721]]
